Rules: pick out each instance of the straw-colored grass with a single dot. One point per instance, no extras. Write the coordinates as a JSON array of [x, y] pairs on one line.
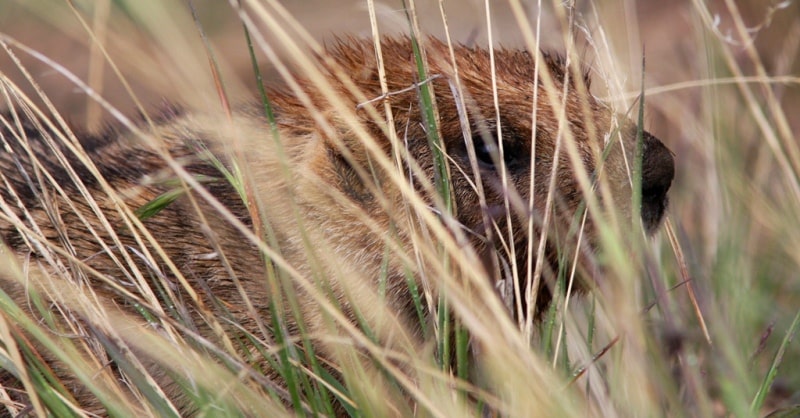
[[697, 320]]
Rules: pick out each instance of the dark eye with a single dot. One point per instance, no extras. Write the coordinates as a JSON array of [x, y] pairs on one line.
[[486, 152]]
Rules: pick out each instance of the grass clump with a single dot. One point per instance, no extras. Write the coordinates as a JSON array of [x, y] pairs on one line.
[[697, 320]]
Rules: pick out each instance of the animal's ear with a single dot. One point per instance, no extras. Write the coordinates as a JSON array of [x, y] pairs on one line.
[[349, 179], [346, 166]]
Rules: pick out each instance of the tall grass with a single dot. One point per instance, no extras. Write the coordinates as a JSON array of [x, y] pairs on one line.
[[696, 321]]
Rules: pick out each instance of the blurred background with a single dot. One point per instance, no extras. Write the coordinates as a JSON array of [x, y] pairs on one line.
[[671, 33]]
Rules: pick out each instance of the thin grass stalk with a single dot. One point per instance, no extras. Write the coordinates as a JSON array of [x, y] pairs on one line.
[[772, 372]]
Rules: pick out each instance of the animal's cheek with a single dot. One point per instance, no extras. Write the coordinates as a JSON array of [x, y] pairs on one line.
[[616, 182]]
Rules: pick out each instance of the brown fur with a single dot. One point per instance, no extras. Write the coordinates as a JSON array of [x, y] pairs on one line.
[[321, 190]]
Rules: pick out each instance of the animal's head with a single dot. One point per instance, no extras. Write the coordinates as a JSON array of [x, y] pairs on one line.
[[524, 149]]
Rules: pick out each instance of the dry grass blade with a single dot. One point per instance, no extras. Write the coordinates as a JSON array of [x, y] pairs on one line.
[[684, 271]]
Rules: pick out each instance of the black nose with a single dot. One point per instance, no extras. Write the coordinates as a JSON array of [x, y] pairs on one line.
[[658, 169]]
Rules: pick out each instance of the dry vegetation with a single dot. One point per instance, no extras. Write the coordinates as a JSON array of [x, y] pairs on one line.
[[695, 321]]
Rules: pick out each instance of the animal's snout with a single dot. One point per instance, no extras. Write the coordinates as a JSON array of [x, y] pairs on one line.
[[658, 169]]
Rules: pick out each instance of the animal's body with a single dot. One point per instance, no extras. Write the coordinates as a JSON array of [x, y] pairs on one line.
[[330, 210]]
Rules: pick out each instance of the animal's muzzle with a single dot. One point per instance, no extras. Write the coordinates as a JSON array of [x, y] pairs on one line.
[[658, 169]]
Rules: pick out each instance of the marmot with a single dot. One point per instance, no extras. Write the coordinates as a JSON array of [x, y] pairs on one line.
[[325, 201]]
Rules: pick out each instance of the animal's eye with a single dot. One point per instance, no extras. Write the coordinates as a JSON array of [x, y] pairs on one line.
[[486, 150]]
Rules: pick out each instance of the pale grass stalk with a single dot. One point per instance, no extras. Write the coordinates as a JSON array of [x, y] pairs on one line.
[[96, 74], [790, 167], [787, 80]]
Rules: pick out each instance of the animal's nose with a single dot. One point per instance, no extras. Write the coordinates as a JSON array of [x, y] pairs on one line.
[[658, 169]]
